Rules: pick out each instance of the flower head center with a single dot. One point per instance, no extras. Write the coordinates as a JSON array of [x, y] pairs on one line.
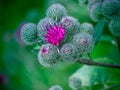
[[55, 34]]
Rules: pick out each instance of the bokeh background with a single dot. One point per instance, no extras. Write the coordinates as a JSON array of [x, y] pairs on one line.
[[19, 67]]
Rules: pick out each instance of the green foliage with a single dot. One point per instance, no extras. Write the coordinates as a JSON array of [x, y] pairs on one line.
[[91, 77], [99, 29], [21, 68]]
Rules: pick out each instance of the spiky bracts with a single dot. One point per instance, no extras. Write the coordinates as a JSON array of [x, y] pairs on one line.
[[84, 42], [87, 27], [28, 33], [69, 53], [48, 55]]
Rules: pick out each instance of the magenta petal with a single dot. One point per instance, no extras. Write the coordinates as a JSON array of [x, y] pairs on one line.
[[55, 35]]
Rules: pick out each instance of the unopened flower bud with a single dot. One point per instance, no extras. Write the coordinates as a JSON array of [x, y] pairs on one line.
[[114, 26], [87, 27], [28, 33], [96, 11], [48, 55], [110, 8], [69, 53], [56, 12], [84, 42]]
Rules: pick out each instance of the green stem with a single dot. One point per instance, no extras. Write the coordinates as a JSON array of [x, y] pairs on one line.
[[94, 63]]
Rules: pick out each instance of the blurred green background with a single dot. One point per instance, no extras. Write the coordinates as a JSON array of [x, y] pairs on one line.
[[19, 67]]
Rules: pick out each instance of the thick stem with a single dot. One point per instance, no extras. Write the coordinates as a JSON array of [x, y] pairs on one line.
[[94, 63]]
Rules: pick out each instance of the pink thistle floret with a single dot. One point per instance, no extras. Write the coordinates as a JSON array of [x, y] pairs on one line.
[[83, 41], [55, 34], [44, 51]]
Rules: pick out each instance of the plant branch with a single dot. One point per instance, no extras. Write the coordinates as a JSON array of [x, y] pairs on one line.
[[94, 63]]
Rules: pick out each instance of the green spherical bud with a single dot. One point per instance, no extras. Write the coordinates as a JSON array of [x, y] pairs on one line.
[[74, 83], [84, 42], [48, 55], [72, 27], [69, 53], [87, 27], [56, 87], [28, 33], [114, 26], [96, 12], [56, 12], [110, 8], [43, 25], [92, 2]]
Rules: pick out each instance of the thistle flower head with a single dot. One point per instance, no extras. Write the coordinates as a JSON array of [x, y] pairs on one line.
[[50, 32], [28, 33], [43, 25], [69, 53], [56, 12], [48, 55], [84, 42], [87, 27], [71, 25], [55, 34]]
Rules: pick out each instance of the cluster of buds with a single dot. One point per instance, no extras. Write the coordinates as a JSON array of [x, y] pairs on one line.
[[109, 9], [62, 36]]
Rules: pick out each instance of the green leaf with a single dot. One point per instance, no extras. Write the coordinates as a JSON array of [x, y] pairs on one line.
[[108, 38], [99, 29], [97, 77]]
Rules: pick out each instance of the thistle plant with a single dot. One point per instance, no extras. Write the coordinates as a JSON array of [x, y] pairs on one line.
[[61, 38], [56, 31]]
